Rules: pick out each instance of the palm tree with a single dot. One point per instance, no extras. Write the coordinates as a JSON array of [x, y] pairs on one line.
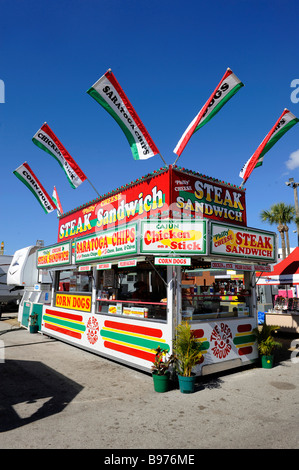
[[289, 216], [281, 214]]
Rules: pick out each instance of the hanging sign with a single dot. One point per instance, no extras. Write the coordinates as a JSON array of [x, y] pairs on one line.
[[56, 255], [127, 263], [227, 240], [173, 236], [84, 268], [103, 266], [172, 261]]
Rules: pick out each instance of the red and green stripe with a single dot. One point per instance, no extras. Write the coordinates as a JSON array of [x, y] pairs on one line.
[[109, 94], [225, 90], [284, 123], [132, 340], [244, 339], [69, 324]]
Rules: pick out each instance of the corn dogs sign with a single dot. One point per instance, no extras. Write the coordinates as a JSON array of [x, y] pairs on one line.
[[242, 242], [73, 301]]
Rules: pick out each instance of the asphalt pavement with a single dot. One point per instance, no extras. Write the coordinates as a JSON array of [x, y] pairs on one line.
[[56, 396]]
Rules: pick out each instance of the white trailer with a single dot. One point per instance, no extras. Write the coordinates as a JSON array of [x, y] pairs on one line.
[[37, 285], [10, 295]]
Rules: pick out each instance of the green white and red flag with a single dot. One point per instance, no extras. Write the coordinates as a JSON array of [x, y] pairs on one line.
[[225, 90], [109, 94], [285, 122], [47, 141], [56, 200], [26, 175]]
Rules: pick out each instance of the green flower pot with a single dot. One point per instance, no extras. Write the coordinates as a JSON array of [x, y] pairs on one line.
[[161, 382], [33, 328], [187, 384], [267, 362]]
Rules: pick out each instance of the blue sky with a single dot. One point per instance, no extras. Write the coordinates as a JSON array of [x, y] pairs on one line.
[[168, 57]]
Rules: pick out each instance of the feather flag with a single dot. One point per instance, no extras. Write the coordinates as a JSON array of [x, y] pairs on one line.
[[26, 175], [57, 202], [109, 94], [47, 141], [282, 125], [227, 88]]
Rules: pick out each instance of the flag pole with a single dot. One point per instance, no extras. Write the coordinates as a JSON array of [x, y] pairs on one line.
[[176, 159], [163, 159], [93, 186]]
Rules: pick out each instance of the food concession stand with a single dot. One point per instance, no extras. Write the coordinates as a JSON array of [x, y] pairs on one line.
[[285, 275], [171, 246]]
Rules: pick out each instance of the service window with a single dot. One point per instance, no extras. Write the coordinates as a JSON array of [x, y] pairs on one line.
[[208, 294], [138, 292], [73, 281]]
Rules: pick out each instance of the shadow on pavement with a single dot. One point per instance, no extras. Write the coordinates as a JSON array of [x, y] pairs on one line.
[[30, 391]]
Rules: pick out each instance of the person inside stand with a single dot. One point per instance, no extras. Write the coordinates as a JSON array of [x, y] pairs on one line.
[[141, 292]]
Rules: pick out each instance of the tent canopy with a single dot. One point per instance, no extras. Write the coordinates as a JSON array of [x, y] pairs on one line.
[[285, 272]]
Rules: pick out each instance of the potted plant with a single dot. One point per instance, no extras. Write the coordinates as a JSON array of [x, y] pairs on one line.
[[187, 353], [33, 325], [266, 344], [160, 369]]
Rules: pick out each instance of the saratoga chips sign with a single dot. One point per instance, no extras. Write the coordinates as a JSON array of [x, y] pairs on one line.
[[107, 244], [246, 243]]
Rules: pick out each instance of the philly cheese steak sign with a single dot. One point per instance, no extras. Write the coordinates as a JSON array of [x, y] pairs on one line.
[[56, 255], [242, 243], [205, 198]]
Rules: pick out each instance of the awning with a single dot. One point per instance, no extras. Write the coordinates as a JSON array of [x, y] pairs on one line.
[[285, 272]]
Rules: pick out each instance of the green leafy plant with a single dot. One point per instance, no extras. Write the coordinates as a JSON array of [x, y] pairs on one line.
[[162, 362], [267, 346], [187, 349], [33, 319], [266, 342]]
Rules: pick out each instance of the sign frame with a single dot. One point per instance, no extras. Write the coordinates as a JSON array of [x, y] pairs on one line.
[[105, 233], [203, 228], [56, 246], [249, 231], [172, 261]]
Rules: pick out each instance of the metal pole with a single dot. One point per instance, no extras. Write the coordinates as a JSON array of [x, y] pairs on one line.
[[294, 185], [93, 186], [296, 208], [163, 159]]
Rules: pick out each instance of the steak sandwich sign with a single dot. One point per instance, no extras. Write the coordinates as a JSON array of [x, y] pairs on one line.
[[208, 198], [138, 200], [242, 243], [168, 193]]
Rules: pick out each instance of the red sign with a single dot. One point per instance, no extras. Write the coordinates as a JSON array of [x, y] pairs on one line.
[[139, 200], [166, 193], [208, 198]]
